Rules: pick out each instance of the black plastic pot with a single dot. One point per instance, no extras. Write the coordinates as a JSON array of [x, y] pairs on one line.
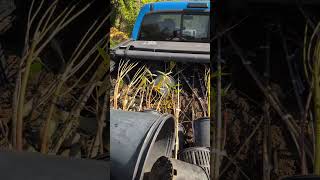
[[197, 155], [172, 169], [201, 132], [138, 139]]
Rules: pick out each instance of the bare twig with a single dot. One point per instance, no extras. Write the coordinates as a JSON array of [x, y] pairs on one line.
[[266, 145], [243, 146], [299, 102]]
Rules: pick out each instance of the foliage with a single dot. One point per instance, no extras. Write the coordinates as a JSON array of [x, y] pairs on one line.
[[117, 36], [126, 13], [311, 66], [162, 91]]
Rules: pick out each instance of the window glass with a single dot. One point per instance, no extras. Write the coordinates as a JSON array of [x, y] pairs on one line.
[[195, 27], [175, 27]]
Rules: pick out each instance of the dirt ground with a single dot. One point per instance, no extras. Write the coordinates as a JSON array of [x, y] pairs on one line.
[[243, 117]]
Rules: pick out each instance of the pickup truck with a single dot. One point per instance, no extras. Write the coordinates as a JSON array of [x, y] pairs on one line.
[[166, 32], [169, 31]]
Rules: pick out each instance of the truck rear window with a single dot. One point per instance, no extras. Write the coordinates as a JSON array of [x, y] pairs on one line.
[[175, 27]]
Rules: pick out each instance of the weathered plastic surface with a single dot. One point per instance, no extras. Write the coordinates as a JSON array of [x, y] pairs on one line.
[[35, 166], [172, 169], [201, 132], [164, 51], [181, 136], [165, 83], [197, 155], [309, 177], [138, 139]]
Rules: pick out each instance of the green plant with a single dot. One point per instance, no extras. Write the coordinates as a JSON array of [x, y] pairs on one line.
[[126, 13], [311, 59]]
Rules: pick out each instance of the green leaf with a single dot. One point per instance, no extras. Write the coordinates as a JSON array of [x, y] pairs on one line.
[[105, 57], [35, 68], [172, 65], [105, 64]]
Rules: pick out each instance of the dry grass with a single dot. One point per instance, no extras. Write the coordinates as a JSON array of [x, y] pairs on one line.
[[162, 91]]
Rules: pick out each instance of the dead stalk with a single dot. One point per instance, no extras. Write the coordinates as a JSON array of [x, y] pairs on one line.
[[266, 145], [217, 158], [299, 102], [74, 115], [22, 92], [286, 117], [45, 130], [177, 115], [98, 142]]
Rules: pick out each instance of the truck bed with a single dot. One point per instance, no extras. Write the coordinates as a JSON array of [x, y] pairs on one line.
[[164, 51]]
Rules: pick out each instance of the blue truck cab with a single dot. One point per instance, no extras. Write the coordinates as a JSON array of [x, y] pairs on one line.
[[166, 8], [169, 31]]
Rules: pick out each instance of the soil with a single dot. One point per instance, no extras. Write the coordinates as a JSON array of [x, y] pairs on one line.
[[243, 118]]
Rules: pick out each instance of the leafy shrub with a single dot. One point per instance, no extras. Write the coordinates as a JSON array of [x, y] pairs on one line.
[[117, 36]]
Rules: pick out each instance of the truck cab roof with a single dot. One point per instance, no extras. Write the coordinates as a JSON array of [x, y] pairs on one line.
[[197, 6]]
